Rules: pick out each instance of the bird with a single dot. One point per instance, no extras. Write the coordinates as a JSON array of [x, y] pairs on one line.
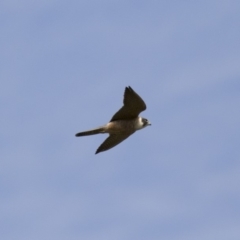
[[123, 123]]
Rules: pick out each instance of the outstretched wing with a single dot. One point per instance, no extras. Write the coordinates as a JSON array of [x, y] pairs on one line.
[[132, 106], [112, 141]]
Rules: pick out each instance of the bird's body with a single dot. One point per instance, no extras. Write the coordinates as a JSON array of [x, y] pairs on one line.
[[124, 123], [124, 126]]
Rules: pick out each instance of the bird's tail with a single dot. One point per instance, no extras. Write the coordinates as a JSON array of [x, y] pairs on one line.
[[91, 132]]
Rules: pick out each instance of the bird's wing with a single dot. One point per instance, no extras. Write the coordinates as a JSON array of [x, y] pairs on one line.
[[112, 141], [132, 106]]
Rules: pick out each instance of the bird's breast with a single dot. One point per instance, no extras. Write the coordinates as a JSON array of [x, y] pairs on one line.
[[123, 126]]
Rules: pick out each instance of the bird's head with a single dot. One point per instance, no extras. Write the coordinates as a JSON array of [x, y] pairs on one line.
[[145, 122]]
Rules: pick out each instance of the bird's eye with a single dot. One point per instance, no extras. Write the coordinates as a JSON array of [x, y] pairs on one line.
[[144, 120]]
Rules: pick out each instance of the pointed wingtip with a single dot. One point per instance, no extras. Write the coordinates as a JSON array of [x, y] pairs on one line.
[[97, 151], [128, 88]]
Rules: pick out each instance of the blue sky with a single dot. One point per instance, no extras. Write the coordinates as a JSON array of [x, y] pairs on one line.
[[63, 69]]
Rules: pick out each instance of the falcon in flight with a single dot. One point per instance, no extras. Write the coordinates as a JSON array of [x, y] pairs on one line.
[[123, 123]]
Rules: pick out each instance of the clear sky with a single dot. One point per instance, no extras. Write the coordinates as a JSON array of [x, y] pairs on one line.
[[63, 69]]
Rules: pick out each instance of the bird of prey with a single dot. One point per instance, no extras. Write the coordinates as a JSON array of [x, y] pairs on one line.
[[123, 123]]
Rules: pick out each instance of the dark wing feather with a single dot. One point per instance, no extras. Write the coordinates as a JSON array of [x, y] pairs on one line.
[[112, 141], [132, 106]]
